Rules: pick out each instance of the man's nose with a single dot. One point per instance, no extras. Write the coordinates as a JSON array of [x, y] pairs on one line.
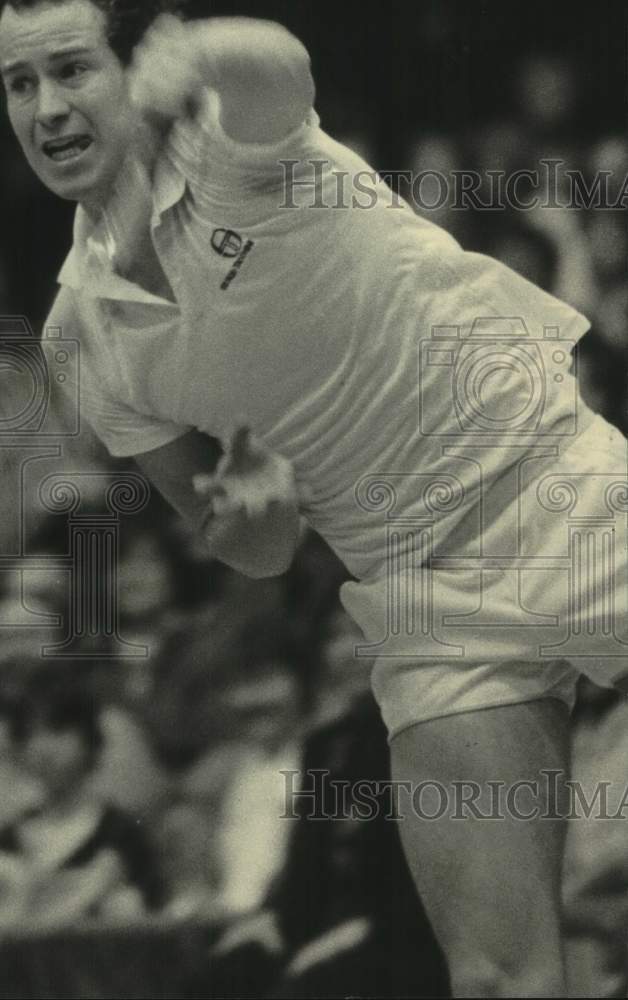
[[52, 105]]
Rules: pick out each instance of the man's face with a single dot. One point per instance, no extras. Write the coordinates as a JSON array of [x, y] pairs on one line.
[[67, 97]]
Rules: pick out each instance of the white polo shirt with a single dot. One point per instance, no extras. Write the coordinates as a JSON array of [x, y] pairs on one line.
[[355, 337]]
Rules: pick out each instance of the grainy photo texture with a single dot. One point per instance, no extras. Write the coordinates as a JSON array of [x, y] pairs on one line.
[[314, 486]]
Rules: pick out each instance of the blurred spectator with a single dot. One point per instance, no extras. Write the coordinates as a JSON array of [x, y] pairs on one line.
[[127, 773], [20, 792], [80, 857], [548, 88], [433, 162], [610, 155], [344, 675], [368, 935], [502, 145], [268, 738], [524, 248], [612, 319], [608, 241]]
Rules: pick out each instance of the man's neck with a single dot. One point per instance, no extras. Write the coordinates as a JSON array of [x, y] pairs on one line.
[[126, 219], [143, 268]]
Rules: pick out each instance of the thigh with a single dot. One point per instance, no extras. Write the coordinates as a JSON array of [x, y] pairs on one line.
[[596, 854], [491, 886]]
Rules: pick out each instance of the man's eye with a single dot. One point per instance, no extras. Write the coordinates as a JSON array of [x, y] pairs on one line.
[[73, 71], [21, 85]]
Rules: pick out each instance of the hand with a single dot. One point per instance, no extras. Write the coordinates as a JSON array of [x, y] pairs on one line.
[[165, 77], [253, 520], [248, 478]]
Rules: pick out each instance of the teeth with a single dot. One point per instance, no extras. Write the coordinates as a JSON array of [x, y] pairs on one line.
[[67, 150], [69, 153]]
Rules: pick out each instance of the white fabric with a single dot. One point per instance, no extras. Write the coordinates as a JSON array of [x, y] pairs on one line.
[[317, 338], [421, 392]]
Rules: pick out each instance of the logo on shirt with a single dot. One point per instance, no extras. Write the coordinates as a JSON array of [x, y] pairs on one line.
[[226, 242]]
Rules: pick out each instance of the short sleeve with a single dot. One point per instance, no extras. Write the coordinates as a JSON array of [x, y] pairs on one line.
[[484, 297], [123, 430]]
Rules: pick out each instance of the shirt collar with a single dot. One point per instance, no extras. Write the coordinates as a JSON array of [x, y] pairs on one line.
[[87, 267], [168, 188]]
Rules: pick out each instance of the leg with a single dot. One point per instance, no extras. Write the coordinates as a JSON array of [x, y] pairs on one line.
[[596, 852], [491, 887]]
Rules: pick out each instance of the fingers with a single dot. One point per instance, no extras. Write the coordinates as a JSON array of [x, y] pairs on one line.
[[214, 492], [222, 500], [240, 445], [165, 81], [207, 486], [249, 479], [237, 497]]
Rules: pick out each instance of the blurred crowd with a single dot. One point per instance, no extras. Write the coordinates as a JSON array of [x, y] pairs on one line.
[[152, 788]]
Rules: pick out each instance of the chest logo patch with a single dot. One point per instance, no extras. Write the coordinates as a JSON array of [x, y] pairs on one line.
[[226, 243]]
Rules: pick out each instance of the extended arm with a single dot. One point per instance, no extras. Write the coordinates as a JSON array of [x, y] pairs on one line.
[[260, 72], [243, 504]]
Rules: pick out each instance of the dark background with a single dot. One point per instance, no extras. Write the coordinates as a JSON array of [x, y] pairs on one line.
[[387, 71], [240, 669]]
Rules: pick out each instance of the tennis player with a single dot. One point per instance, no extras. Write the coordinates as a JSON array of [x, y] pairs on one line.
[[229, 261]]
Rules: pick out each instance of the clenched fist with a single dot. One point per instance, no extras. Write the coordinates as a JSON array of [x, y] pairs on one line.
[[165, 76]]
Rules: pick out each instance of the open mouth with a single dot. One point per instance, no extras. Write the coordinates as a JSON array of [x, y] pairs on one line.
[[69, 147]]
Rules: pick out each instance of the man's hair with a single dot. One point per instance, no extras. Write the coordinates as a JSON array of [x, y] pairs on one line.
[[127, 20]]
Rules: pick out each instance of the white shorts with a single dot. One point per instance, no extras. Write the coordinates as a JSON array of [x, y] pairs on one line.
[[519, 614]]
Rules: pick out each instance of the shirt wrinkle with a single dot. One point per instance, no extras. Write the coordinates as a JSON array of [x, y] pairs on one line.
[[311, 324]]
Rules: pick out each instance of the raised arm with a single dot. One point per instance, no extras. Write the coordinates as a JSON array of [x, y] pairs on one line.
[[244, 504], [260, 72]]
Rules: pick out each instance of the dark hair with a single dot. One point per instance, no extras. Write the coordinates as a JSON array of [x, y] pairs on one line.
[[57, 698], [127, 20]]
